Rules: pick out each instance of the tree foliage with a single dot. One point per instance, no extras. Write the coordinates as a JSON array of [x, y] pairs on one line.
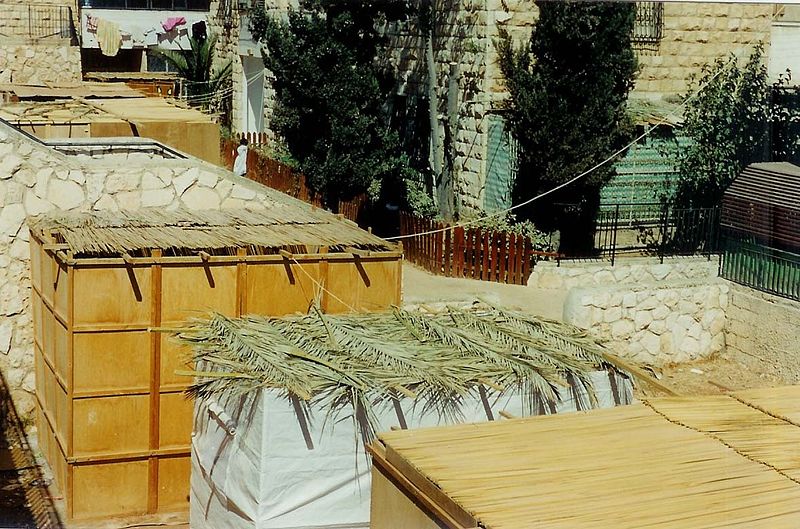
[[331, 93], [569, 86], [206, 86], [728, 115]]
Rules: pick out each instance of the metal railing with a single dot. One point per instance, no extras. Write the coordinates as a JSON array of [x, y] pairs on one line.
[[761, 267], [37, 21], [675, 231], [649, 25]]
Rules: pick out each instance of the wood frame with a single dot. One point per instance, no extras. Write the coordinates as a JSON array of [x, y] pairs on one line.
[[112, 417]]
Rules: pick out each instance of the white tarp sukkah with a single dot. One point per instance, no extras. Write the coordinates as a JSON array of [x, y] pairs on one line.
[[258, 464]]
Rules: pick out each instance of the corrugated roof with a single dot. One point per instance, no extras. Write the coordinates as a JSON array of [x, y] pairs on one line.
[[281, 226], [691, 462], [764, 201]]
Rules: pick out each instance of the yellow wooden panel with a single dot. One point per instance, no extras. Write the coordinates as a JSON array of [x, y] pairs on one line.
[[40, 370], [175, 420], [60, 470], [174, 356], [36, 262], [38, 325], [173, 483], [363, 285], [189, 292], [111, 360], [62, 413], [276, 289], [50, 392], [112, 296], [61, 351], [49, 268], [109, 489], [48, 335], [61, 294], [111, 424], [392, 508]]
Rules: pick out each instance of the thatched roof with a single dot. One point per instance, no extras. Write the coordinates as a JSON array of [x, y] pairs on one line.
[[354, 361], [690, 462], [132, 232]]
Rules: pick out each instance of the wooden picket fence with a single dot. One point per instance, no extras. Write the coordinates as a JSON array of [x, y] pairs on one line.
[[280, 176], [474, 253], [253, 138]]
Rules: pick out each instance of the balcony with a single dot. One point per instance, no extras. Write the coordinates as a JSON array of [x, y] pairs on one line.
[[40, 22]]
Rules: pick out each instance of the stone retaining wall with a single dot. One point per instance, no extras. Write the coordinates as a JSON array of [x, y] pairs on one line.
[[569, 274], [35, 179], [654, 324], [763, 325], [39, 64]]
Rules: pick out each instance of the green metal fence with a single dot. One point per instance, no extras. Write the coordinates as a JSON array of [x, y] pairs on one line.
[[761, 267]]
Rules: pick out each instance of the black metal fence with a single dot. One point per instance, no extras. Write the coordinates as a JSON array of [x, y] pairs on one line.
[[37, 21], [676, 231], [761, 267]]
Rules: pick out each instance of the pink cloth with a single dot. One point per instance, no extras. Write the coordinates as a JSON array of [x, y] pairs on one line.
[[173, 22]]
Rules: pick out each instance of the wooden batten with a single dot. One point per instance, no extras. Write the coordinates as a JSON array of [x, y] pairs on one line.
[[113, 419]]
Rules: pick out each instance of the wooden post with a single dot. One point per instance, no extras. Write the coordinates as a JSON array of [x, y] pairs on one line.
[[512, 259], [503, 254], [458, 251], [155, 383]]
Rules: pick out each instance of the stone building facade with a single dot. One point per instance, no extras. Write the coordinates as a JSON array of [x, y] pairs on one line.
[[470, 91], [35, 178], [38, 42]]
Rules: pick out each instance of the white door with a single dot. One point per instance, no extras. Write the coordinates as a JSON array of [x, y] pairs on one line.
[[252, 95]]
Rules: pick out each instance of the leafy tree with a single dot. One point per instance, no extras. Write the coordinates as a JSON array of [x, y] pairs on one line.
[[569, 86], [206, 86], [728, 115], [331, 94]]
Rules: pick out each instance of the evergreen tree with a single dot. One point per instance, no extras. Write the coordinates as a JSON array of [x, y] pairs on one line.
[[331, 94], [569, 86]]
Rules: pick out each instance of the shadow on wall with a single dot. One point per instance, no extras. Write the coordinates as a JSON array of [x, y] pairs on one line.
[[25, 501]]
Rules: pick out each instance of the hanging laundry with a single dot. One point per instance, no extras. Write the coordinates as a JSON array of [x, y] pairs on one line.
[[173, 22], [108, 37], [91, 24], [150, 37]]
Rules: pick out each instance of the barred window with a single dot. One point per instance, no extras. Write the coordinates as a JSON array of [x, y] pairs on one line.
[[649, 25]]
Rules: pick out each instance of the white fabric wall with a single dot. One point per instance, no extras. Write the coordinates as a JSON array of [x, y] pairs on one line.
[[266, 476]]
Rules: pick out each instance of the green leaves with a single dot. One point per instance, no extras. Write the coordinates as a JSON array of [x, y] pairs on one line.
[[728, 115], [330, 93], [569, 88]]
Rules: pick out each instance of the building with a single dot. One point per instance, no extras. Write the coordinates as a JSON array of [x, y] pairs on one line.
[[674, 40], [38, 42]]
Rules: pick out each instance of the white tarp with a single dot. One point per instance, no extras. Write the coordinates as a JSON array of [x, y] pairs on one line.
[[279, 471]]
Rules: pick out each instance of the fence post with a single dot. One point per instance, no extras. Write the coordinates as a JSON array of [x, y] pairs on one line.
[[614, 236]]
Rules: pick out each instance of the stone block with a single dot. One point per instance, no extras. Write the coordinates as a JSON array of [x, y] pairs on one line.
[[622, 329], [642, 319], [65, 194], [200, 198], [611, 314]]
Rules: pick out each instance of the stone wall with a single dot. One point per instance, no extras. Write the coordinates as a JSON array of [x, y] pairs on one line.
[[569, 274], [696, 34], [656, 324], [35, 179], [39, 63], [762, 325]]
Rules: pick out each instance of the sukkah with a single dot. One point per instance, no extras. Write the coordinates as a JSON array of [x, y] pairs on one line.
[[354, 362], [687, 462], [289, 224]]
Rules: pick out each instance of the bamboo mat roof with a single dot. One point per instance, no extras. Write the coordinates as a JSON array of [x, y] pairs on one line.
[[284, 226], [693, 462], [352, 362], [110, 109]]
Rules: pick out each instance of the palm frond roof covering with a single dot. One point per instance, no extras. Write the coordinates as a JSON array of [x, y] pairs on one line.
[[355, 361], [283, 226]]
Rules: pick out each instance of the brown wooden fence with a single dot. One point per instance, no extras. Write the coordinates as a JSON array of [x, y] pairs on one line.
[[469, 252], [280, 176]]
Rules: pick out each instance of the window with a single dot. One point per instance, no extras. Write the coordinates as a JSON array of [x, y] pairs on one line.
[[152, 5], [649, 25]]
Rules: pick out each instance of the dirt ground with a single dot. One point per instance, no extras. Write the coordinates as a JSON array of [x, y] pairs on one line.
[[725, 372]]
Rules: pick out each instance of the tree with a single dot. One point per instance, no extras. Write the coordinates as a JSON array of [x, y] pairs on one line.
[[728, 114], [331, 94], [206, 86], [568, 90]]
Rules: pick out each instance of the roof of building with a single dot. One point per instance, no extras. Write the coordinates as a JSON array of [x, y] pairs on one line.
[[283, 225], [717, 461], [764, 200], [79, 89]]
